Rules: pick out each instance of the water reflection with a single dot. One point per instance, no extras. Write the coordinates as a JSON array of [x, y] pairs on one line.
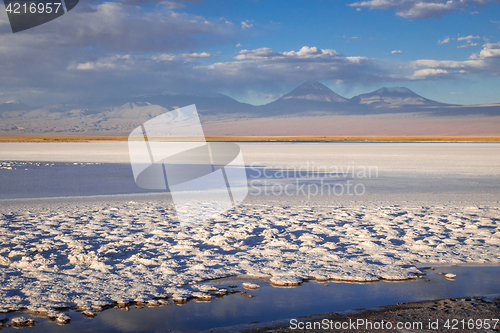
[[271, 303]]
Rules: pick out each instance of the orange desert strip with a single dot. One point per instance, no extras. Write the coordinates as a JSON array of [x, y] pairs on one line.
[[267, 138]]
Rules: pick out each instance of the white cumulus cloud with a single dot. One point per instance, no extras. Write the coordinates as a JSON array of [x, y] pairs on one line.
[[468, 38], [487, 61], [467, 45], [421, 9], [444, 41], [198, 55], [427, 73], [266, 65], [246, 25], [490, 50]]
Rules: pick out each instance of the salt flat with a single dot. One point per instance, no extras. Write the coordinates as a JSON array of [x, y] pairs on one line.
[[92, 254], [92, 251], [436, 158]]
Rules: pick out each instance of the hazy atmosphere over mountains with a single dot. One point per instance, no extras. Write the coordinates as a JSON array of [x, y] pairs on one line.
[[111, 65], [309, 103]]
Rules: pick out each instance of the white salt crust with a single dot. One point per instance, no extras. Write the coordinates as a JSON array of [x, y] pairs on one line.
[[248, 285], [89, 255]]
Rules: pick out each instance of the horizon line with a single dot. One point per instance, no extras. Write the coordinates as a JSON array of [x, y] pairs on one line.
[[298, 138]]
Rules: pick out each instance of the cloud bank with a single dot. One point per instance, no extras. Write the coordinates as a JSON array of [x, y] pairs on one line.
[[421, 9]]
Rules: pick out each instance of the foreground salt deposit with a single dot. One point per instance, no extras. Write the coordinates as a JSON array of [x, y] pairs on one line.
[[427, 203], [90, 254]]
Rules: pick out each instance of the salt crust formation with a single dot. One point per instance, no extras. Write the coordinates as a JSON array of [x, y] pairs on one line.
[[90, 255]]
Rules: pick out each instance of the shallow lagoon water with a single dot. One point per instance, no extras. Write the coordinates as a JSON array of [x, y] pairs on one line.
[[66, 180], [273, 303], [404, 171]]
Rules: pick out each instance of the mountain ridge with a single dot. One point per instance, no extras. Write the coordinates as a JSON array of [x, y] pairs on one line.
[[310, 96], [394, 97], [314, 91], [14, 105], [310, 99]]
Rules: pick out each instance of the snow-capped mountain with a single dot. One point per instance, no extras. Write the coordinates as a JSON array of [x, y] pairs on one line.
[[311, 96], [14, 106], [314, 91]]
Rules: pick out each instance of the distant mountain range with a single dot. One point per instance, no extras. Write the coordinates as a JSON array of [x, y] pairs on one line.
[[13, 106], [314, 91], [311, 99], [397, 97]]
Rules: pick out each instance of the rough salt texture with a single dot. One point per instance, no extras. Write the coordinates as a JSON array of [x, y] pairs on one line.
[[248, 285], [93, 254]]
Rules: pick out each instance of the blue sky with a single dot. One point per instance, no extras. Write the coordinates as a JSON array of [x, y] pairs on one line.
[[255, 50]]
